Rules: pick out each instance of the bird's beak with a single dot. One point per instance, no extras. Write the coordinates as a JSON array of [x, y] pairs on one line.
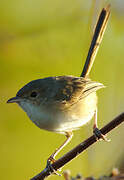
[[14, 100]]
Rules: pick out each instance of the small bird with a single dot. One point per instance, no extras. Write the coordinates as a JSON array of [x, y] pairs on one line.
[[60, 104], [64, 103]]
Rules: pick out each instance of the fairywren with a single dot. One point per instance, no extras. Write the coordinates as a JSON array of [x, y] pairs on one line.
[[64, 103]]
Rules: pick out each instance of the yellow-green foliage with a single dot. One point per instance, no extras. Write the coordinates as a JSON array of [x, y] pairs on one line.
[[40, 38]]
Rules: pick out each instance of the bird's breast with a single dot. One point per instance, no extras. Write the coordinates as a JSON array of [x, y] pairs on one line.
[[53, 119]]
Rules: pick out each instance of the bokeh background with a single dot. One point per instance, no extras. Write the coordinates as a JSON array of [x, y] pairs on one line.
[[40, 38]]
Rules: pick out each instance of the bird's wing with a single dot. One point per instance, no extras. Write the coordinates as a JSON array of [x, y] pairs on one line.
[[70, 89]]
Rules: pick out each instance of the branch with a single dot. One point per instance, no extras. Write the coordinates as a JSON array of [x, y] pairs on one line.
[[78, 149]]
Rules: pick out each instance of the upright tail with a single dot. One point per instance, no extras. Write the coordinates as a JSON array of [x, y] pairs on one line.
[[96, 40]]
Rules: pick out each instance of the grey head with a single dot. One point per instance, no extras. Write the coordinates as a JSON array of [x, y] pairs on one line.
[[33, 91]]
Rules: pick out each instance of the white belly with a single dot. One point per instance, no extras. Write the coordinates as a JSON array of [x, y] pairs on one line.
[[71, 119]]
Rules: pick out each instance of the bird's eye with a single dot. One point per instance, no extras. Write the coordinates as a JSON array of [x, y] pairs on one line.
[[33, 94]]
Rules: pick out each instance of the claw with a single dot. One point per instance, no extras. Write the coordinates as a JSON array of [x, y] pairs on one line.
[[98, 135], [50, 167], [51, 159]]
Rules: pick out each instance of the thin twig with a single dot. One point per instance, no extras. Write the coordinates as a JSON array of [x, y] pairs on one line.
[[79, 148]]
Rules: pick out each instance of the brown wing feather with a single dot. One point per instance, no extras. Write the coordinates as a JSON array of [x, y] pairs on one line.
[[72, 89]]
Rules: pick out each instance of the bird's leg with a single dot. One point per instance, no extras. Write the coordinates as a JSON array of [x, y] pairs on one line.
[[96, 130], [51, 159], [68, 138]]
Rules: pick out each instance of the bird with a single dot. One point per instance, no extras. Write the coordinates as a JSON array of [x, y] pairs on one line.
[[63, 104]]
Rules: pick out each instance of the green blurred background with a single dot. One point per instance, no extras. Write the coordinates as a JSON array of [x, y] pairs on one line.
[[40, 38]]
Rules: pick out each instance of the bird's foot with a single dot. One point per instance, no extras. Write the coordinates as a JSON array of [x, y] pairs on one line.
[[98, 135], [50, 167]]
